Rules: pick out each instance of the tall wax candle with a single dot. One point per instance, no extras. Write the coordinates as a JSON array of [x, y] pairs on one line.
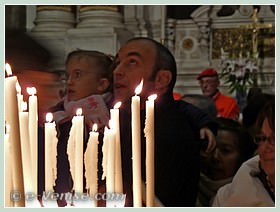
[[8, 169], [50, 153], [110, 178], [79, 150], [150, 150], [115, 117], [105, 152], [136, 147], [12, 118], [91, 164], [19, 97], [33, 135], [25, 148]]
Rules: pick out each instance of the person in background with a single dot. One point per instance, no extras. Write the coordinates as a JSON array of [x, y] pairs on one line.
[[209, 82], [203, 102], [89, 86], [250, 113], [254, 183], [200, 122], [176, 149], [234, 146]]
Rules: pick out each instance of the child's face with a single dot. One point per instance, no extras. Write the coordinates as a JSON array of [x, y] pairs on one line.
[[83, 80]]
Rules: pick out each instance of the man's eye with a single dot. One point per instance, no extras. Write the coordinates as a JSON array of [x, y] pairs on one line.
[[132, 62], [77, 74]]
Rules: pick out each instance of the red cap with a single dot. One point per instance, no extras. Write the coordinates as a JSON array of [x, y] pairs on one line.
[[209, 72], [177, 96]]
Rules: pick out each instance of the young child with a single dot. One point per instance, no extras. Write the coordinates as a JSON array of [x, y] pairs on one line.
[[89, 84]]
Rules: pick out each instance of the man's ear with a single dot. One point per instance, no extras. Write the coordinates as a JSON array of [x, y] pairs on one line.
[[103, 85], [163, 79]]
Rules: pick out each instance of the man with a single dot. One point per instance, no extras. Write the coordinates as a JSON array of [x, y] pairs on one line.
[[209, 82], [176, 149]]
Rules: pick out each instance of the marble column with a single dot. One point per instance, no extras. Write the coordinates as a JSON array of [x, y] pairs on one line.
[[99, 16], [51, 25], [52, 18], [99, 27]]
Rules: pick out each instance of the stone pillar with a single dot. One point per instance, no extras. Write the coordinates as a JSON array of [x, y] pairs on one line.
[[130, 19], [51, 25], [99, 16], [99, 27], [154, 12], [54, 18]]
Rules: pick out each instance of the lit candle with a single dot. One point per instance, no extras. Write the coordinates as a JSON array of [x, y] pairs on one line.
[[8, 169], [25, 148], [50, 153], [12, 117], [118, 160], [91, 164], [33, 135], [75, 150], [136, 147], [150, 150], [19, 96], [110, 178]]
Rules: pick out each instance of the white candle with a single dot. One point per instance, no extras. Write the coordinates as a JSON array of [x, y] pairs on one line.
[[50, 153], [25, 148], [150, 150], [136, 147], [33, 135], [79, 144], [19, 97], [105, 153], [8, 169], [110, 178], [118, 160], [12, 117], [163, 16], [91, 164]]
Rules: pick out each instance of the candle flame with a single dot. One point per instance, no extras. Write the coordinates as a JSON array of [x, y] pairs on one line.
[[24, 106], [94, 127], [18, 88], [152, 97], [138, 89], [79, 112], [117, 105], [31, 90], [8, 69], [49, 117]]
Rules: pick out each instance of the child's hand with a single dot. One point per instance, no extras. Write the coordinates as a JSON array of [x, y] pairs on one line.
[[206, 133]]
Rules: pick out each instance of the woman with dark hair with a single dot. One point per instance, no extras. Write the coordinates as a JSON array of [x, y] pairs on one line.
[[254, 183], [234, 146]]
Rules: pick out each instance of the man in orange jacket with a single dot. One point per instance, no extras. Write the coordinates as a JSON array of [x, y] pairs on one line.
[[226, 106]]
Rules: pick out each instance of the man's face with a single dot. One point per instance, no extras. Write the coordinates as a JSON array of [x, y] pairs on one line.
[[209, 85], [134, 61]]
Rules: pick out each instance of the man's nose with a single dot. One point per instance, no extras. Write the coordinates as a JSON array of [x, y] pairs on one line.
[[118, 71]]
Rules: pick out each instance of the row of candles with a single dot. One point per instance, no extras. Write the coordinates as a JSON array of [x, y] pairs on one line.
[[21, 144]]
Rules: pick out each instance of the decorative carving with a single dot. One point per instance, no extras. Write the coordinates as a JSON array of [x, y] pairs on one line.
[[187, 44], [239, 40], [246, 10]]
